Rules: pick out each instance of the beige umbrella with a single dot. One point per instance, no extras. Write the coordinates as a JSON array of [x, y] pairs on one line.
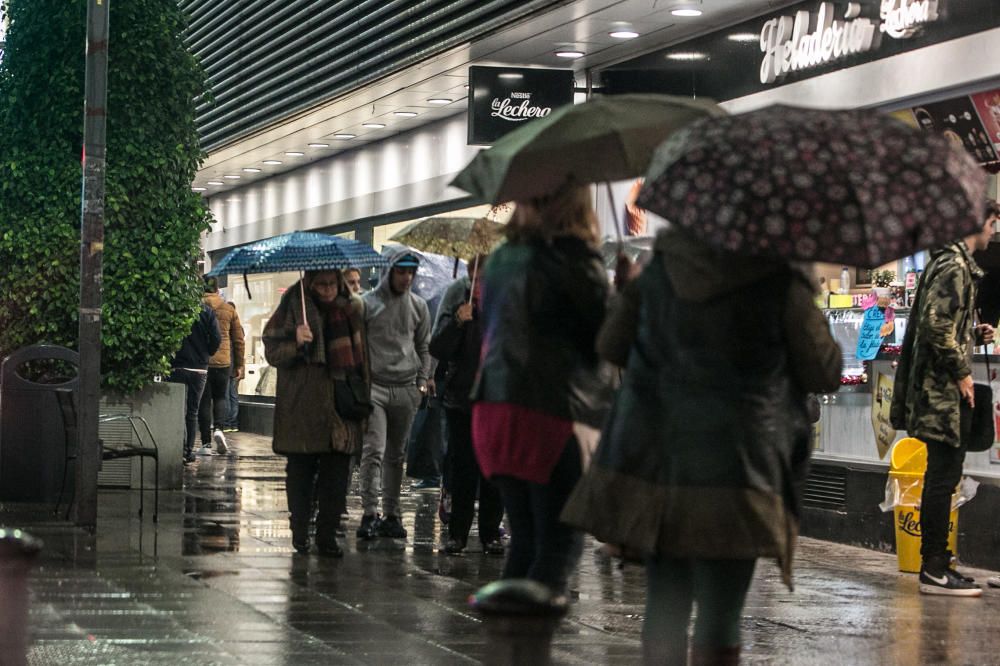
[[461, 237]]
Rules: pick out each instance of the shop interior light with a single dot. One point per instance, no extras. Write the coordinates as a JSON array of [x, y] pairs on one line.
[[215, 182], [623, 34], [686, 11], [319, 145], [743, 37], [687, 55], [231, 177], [404, 114], [508, 75], [251, 169], [373, 125], [344, 136], [441, 101], [572, 55], [198, 189], [272, 162], [294, 153]]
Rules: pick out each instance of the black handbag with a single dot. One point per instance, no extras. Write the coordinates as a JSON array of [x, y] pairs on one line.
[[976, 423], [352, 398]]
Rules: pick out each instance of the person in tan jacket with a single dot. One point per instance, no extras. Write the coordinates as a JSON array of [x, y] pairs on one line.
[[225, 362]]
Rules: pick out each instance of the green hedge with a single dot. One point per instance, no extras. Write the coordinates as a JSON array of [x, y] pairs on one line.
[[153, 220]]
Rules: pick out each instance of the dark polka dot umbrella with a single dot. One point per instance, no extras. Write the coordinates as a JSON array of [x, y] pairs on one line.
[[850, 187]]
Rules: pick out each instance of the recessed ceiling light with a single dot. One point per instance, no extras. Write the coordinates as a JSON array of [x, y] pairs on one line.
[[569, 54], [319, 145], [405, 114], [215, 182], [251, 169], [231, 177], [294, 153], [272, 162], [198, 189], [687, 55], [623, 34], [686, 11], [373, 125], [439, 100], [507, 75], [344, 136], [743, 37]]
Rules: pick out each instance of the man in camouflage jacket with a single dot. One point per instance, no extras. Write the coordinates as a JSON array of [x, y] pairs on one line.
[[934, 374]]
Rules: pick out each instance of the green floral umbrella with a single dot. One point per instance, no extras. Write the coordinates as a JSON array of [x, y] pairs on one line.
[[461, 237]]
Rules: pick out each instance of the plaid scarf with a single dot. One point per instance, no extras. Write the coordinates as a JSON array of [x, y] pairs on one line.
[[344, 347]]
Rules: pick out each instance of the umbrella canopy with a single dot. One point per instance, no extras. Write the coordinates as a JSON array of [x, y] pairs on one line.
[[603, 139], [850, 187], [462, 237], [299, 251]]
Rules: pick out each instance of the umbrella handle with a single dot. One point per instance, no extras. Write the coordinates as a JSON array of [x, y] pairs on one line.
[[246, 285], [472, 285], [614, 212], [302, 293]]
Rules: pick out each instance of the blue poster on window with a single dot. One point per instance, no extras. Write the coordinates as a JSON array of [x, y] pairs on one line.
[[873, 329]]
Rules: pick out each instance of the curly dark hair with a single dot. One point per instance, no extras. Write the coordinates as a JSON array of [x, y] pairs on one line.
[[992, 209]]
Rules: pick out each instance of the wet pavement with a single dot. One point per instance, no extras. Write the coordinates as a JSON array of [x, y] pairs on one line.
[[217, 582]]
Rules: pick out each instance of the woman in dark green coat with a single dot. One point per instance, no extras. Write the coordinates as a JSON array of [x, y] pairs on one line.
[[705, 451], [314, 339]]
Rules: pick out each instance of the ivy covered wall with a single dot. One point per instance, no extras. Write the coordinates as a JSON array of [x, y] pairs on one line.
[[153, 220]]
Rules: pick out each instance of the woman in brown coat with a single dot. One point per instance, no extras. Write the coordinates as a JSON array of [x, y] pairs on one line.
[[310, 354]]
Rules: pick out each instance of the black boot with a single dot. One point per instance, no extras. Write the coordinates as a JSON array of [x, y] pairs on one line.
[[328, 546], [300, 538]]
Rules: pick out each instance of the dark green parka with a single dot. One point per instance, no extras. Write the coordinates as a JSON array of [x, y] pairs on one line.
[[937, 348], [706, 449], [305, 415]]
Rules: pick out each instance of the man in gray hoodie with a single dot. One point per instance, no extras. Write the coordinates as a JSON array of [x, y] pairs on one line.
[[399, 329]]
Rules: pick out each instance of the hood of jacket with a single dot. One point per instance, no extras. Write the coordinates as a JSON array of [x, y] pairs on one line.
[[699, 272], [392, 258]]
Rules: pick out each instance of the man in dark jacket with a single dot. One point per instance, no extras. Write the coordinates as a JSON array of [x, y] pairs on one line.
[[190, 367], [456, 342], [933, 377]]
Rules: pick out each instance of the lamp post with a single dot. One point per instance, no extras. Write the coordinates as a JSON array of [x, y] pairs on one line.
[[91, 258]]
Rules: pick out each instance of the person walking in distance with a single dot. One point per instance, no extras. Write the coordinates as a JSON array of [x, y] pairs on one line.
[[214, 400], [190, 368], [934, 375], [399, 328]]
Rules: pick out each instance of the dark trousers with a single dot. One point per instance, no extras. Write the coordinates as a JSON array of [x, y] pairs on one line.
[[465, 479], [716, 589], [232, 419], [944, 471], [324, 476], [542, 547], [194, 386], [214, 402]]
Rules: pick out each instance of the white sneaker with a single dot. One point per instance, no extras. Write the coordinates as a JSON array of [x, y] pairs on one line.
[[993, 581], [220, 442], [205, 450]]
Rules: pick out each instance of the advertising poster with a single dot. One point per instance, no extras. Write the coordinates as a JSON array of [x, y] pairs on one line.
[[885, 434], [988, 107], [958, 120]]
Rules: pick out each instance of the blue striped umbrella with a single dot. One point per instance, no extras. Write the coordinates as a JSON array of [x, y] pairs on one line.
[[299, 251]]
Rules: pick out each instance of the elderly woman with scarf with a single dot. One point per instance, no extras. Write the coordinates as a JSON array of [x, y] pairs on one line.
[[314, 339]]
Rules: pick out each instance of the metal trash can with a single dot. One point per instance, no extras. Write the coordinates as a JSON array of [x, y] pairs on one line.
[[36, 451], [18, 551], [520, 617]]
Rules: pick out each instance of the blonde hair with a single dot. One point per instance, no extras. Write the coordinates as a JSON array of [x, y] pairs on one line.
[[569, 211]]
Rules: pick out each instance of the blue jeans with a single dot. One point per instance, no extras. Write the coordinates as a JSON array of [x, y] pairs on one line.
[[232, 419], [194, 383]]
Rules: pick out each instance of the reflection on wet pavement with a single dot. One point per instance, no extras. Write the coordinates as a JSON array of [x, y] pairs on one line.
[[217, 582]]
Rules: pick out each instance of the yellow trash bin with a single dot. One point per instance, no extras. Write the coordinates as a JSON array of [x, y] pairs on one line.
[[907, 464]]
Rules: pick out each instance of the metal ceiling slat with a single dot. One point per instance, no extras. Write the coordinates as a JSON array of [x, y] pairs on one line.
[[266, 61]]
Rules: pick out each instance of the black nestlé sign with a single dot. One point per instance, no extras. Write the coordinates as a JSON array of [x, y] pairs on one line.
[[503, 98]]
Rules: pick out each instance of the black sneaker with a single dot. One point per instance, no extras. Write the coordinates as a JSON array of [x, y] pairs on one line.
[[493, 547], [329, 548], [366, 530], [390, 527], [948, 583], [453, 547]]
